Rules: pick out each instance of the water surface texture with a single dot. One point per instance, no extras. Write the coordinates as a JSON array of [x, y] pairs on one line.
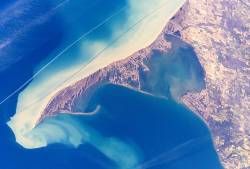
[[128, 129], [50, 41], [128, 23], [175, 72]]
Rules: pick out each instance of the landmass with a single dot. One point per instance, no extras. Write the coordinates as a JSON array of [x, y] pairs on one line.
[[218, 30]]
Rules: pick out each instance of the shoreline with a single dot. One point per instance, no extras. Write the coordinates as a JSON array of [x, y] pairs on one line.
[[17, 125]]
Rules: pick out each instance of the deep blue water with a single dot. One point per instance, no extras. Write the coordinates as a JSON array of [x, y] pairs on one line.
[[28, 44], [156, 128], [32, 41], [162, 134], [166, 134], [35, 31]]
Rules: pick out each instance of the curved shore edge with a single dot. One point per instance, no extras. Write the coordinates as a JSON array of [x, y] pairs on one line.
[[207, 26], [27, 117]]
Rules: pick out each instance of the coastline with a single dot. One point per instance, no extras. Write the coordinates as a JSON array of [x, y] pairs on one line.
[[200, 27], [32, 113]]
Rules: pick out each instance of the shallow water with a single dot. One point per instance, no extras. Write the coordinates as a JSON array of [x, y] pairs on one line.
[[133, 23], [165, 134], [175, 72], [129, 130]]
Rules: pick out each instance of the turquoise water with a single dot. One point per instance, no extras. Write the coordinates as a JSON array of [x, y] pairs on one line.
[[129, 129], [175, 72], [142, 25], [135, 130], [165, 134]]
